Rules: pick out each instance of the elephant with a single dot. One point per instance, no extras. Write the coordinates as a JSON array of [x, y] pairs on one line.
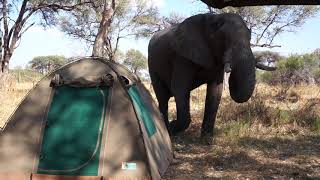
[[199, 51]]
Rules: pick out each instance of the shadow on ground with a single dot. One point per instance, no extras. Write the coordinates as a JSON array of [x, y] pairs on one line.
[[296, 157]]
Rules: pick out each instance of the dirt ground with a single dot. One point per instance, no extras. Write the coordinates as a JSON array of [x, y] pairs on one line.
[[272, 157], [239, 151]]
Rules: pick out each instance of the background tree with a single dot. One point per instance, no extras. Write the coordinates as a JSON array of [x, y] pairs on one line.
[[295, 69], [135, 61], [104, 23], [267, 57], [45, 64], [267, 22], [167, 21], [237, 3], [15, 16]]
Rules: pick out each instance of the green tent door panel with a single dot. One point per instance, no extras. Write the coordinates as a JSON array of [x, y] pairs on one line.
[[142, 111], [72, 137]]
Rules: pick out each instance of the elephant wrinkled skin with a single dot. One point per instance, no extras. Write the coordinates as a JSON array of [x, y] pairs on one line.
[[198, 51]]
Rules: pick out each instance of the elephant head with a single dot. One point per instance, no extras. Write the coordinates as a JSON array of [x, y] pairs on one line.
[[221, 41]]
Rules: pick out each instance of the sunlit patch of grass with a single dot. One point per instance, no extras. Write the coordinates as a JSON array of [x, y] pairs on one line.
[[272, 109]]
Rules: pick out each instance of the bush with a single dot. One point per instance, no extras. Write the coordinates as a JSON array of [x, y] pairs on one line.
[[292, 63], [294, 70], [307, 115], [316, 74], [266, 77], [287, 118]]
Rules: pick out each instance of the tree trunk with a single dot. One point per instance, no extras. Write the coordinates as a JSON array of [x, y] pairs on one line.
[[4, 58], [107, 15], [5, 63], [10, 38]]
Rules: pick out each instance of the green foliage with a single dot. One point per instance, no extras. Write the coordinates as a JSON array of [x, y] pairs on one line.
[[16, 15], [316, 73], [266, 77], [292, 63], [135, 61], [316, 124], [294, 69], [130, 19], [284, 117], [44, 64], [267, 22]]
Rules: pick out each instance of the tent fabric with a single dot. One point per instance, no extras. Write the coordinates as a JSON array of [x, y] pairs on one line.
[[142, 111], [100, 122], [156, 144]]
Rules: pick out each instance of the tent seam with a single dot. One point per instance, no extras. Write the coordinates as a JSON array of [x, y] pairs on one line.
[[107, 128], [41, 133], [137, 118]]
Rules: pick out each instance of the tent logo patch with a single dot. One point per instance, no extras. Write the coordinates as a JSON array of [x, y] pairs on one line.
[[128, 166]]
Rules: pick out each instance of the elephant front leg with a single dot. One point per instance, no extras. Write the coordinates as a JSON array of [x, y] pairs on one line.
[[213, 97], [163, 96], [182, 80], [183, 114]]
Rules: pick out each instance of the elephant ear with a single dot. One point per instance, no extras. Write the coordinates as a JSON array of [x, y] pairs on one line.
[[189, 41]]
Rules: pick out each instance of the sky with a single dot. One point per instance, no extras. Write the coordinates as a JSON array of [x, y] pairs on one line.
[[38, 41]]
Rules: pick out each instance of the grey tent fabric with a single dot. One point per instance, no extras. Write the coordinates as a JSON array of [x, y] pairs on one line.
[[126, 150]]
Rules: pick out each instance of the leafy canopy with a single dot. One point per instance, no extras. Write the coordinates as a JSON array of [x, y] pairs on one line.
[[44, 64], [267, 22], [135, 61]]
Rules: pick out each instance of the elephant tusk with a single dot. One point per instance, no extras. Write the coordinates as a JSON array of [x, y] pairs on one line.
[[227, 67]]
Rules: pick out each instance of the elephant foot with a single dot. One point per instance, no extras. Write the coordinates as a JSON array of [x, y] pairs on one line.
[[207, 138], [175, 127]]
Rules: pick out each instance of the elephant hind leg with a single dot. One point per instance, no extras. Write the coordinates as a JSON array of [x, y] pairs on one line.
[[163, 95]]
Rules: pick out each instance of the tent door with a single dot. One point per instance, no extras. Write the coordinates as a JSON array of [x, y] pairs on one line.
[[72, 136]]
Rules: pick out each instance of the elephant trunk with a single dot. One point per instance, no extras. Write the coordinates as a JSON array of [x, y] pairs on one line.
[[243, 77]]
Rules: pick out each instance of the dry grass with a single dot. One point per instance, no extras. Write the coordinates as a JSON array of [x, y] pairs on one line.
[[276, 135], [10, 97]]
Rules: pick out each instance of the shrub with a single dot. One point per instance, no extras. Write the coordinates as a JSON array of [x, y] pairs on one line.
[[266, 77], [316, 74], [292, 63], [294, 70], [307, 115]]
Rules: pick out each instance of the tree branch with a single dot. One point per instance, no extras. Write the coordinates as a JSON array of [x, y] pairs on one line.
[[26, 29], [239, 3], [269, 24], [55, 7], [265, 45]]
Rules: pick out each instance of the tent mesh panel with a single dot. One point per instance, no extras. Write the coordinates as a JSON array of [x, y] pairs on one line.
[[142, 111], [72, 137]]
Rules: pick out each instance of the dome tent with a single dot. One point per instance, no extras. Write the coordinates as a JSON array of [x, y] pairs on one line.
[[90, 119]]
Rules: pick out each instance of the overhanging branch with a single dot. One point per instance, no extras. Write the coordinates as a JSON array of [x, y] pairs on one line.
[[238, 3], [265, 45], [56, 7]]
